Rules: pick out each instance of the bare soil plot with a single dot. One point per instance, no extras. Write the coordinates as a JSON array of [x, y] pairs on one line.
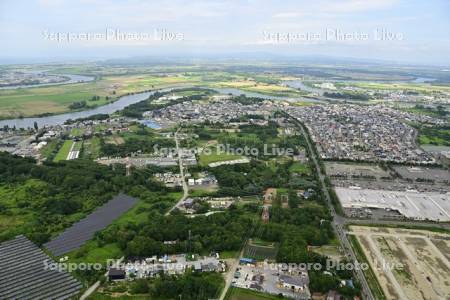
[[408, 264], [357, 170]]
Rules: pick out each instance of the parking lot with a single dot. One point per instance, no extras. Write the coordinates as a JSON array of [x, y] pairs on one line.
[[264, 279]]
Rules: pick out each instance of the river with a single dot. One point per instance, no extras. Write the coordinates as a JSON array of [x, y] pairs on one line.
[[61, 118], [298, 84], [120, 104], [72, 79]]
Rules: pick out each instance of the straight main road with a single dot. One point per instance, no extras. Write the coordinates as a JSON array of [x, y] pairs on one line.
[[183, 180], [232, 269], [338, 222]]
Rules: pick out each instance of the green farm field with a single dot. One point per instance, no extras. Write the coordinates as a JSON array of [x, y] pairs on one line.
[[419, 87], [216, 157], [56, 99], [235, 293]]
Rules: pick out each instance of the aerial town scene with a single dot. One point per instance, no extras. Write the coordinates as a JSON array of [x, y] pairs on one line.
[[230, 150]]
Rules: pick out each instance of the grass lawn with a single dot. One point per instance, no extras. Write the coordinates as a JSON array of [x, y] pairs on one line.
[[259, 242], [228, 254], [50, 150], [91, 148], [300, 168], [77, 146], [235, 293], [328, 250], [135, 215], [63, 151], [205, 159], [51, 99], [428, 139], [92, 253], [77, 131]]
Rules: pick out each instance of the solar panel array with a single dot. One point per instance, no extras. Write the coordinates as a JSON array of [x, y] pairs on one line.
[[79, 233], [23, 274]]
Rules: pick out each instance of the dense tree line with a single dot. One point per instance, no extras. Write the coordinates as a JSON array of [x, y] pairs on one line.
[[219, 232], [249, 179], [347, 95], [262, 138], [50, 194], [92, 117], [189, 286], [78, 105], [134, 145], [253, 178], [436, 135], [244, 100], [135, 110]]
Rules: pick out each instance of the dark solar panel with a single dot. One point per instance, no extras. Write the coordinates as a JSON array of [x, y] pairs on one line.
[[23, 274], [84, 230]]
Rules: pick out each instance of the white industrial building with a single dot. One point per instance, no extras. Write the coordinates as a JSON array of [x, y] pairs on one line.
[[415, 205]]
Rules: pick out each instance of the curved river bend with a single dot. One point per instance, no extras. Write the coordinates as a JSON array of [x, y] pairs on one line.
[[61, 118], [72, 79], [110, 108]]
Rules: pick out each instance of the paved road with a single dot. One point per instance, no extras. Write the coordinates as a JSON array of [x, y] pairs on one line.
[[338, 224], [185, 186], [95, 286], [344, 220], [231, 271]]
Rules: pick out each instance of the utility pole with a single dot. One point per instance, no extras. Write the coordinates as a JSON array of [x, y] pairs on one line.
[[189, 241]]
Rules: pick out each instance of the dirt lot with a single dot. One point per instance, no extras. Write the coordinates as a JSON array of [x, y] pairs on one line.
[[357, 170], [409, 264], [415, 173]]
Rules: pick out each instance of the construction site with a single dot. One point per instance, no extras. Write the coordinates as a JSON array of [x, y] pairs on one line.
[[407, 263]]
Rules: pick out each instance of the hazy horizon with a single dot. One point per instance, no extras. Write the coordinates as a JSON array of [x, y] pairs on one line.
[[409, 32]]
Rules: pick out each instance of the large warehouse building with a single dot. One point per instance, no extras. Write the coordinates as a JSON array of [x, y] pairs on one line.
[[415, 205]]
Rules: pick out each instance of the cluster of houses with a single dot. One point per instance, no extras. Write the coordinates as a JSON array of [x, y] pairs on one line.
[[222, 111], [171, 265], [170, 179], [204, 179], [355, 132]]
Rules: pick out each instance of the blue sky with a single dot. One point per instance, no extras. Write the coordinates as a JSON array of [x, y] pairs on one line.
[[415, 31]]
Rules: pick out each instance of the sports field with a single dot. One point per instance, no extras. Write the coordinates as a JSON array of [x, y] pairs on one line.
[[63, 151]]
